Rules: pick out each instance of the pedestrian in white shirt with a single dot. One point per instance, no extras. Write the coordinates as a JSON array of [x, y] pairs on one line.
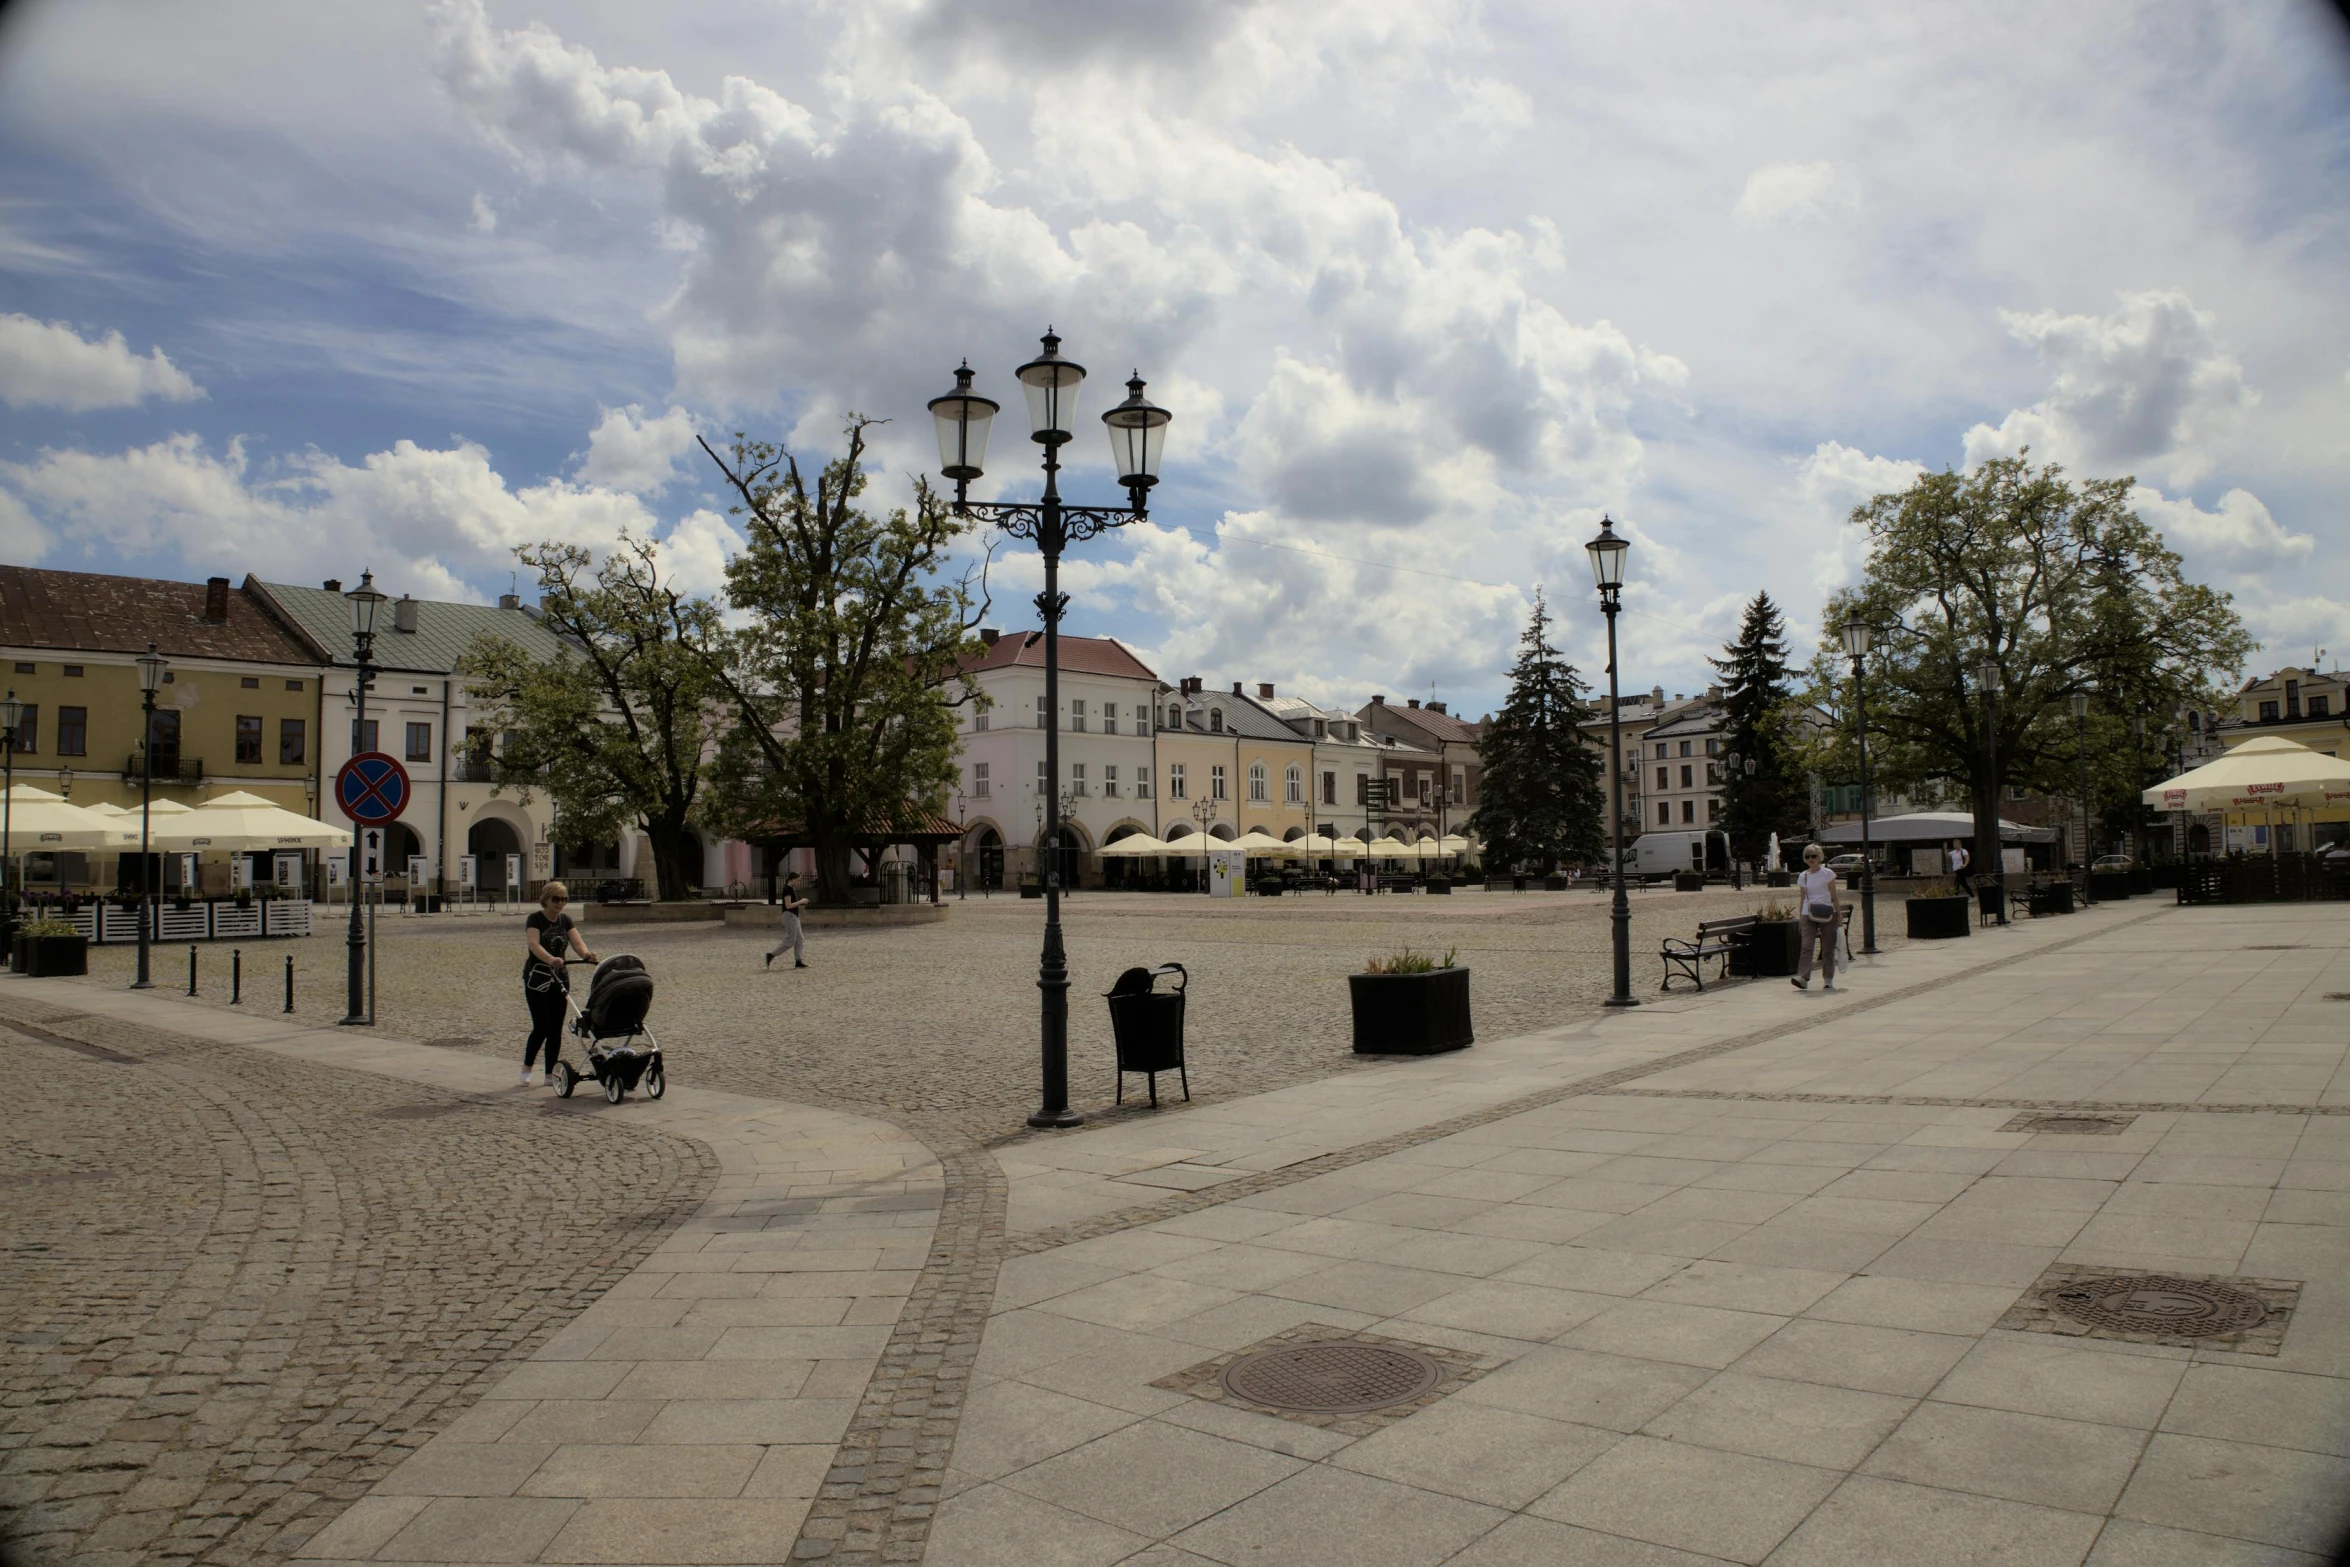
[[1816, 916]]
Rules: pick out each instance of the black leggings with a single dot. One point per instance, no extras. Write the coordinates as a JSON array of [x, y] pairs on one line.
[[546, 1025]]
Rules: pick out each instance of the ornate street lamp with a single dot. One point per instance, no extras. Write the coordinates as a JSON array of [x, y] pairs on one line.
[[2081, 742], [150, 681], [364, 600], [1137, 431], [11, 714], [1607, 569], [1735, 766], [1987, 681], [1859, 636]]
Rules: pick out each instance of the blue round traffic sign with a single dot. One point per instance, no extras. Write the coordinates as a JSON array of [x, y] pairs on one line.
[[372, 789]]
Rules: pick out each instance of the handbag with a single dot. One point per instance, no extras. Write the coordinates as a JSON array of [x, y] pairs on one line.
[[1821, 913]]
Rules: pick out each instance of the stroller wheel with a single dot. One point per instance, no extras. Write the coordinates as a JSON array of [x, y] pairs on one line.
[[655, 1083], [613, 1088], [565, 1080]]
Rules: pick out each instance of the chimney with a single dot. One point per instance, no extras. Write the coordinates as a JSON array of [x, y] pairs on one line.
[[333, 584], [989, 635], [1713, 693], [1191, 685], [1378, 701], [1438, 707], [1411, 702], [216, 598], [509, 601], [1236, 691], [404, 614], [1656, 697], [1265, 689]]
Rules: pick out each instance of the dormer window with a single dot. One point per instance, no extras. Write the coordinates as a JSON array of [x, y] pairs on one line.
[[1216, 719]]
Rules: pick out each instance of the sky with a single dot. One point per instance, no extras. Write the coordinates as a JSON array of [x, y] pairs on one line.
[[1428, 285]]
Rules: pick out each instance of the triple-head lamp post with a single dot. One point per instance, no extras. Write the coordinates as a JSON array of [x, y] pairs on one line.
[[1607, 554], [1137, 430], [1859, 637], [364, 599]]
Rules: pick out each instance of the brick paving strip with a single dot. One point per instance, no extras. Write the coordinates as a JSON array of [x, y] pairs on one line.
[[1931, 1101]]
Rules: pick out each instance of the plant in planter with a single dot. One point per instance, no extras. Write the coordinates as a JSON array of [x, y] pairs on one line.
[[48, 947], [1937, 910], [1269, 887], [1408, 1003], [1770, 949], [1436, 884]]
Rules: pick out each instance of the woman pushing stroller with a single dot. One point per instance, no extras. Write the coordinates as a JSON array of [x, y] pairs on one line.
[[545, 984]]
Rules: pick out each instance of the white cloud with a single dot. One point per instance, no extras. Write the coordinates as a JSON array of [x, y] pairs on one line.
[[1793, 192], [2147, 386], [696, 549], [485, 216], [50, 365], [2240, 527], [627, 451]]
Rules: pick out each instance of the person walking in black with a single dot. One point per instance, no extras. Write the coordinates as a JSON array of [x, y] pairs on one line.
[[544, 981], [793, 941]]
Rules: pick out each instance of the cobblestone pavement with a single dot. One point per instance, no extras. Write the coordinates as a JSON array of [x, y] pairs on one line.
[[936, 1026], [240, 1289]]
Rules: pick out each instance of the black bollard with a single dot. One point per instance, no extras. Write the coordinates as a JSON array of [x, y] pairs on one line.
[[236, 975], [289, 982], [191, 969]]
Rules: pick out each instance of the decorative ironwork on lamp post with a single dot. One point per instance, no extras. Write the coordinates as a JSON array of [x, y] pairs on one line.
[[1137, 431], [1987, 679], [1859, 637], [364, 599], [150, 681], [1607, 554], [2080, 704]]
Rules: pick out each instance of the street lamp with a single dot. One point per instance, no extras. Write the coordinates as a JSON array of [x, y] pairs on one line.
[[11, 714], [150, 681], [1987, 679], [1859, 636], [364, 600], [1734, 767], [1137, 431], [2081, 741], [1607, 569], [65, 783]]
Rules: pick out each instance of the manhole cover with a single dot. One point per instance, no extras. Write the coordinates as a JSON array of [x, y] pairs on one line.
[[2059, 1121], [2153, 1303], [413, 1112], [1332, 1379]]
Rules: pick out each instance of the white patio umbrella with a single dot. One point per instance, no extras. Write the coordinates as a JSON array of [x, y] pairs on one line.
[[167, 829], [1135, 846], [2257, 775], [247, 821], [39, 821], [1454, 843], [1347, 848], [1260, 843], [1390, 848], [1315, 843]]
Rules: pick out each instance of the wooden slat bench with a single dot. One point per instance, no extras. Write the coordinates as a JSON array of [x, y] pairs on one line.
[[1715, 939]]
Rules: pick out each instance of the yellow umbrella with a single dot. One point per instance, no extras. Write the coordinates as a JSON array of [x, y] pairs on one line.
[[1390, 848], [247, 821], [2269, 771], [39, 821], [1347, 848], [1136, 846], [1315, 843], [1259, 842]]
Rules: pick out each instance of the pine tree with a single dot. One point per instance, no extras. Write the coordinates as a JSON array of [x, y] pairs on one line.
[[1774, 798], [1542, 800]]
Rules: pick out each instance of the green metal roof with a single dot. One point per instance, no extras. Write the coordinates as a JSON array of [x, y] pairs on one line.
[[443, 631]]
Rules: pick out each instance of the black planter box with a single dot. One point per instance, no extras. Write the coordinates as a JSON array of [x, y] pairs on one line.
[[1505, 884], [2054, 897], [1032, 889], [1436, 884], [1768, 951], [1939, 919], [1779, 878], [50, 957], [1688, 881], [1270, 887], [1411, 1014], [1554, 884], [2110, 886], [2141, 880]]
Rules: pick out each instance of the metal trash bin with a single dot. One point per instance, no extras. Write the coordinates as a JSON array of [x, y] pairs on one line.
[[1148, 1025]]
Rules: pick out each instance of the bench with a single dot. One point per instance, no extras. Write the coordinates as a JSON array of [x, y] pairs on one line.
[[1715, 939]]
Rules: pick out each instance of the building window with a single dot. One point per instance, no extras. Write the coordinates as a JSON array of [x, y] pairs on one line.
[[1329, 788], [1174, 718], [250, 683], [979, 722], [73, 731], [1713, 810], [1664, 813], [1427, 783], [1362, 788], [248, 740], [1684, 748], [28, 730], [2292, 699], [1688, 776], [1044, 783], [292, 742], [1660, 749], [420, 742], [73, 671], [1142, 775], [1077, 715], [1175, 781], [1664, 778], [1713, 747], [1077, 778], [293, 685], [1216, 719], [24, 668], [1460, 786], [363, 736], [1216, 786], [1257, 784], [2320, 706], [1689, 810], [1109, 771], [1109, 718], [979, 785], [1294, 786], [1041, 721], [2268, 712]]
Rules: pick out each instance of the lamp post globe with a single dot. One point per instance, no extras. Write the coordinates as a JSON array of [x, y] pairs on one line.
[[1607, 552], [150, 681], [1049, 384]]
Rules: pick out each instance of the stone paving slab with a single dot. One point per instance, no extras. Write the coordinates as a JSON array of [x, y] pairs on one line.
[[692, 1413]]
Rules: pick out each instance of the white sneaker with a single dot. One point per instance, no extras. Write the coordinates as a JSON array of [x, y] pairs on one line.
[[525, 1078], [1828, 987]]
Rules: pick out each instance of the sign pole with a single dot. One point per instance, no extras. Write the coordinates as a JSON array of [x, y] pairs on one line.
[[372, 789]]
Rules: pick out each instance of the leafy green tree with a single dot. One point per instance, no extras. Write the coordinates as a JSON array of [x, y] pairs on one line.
[[1542, 798], [1756, 709], [2063, 585], [618, 733], [844, 666]]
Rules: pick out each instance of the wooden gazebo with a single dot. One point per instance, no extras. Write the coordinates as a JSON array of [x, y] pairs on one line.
[[923, 830]]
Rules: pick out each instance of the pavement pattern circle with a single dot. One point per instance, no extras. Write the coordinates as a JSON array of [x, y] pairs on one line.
[[1332, 1378]]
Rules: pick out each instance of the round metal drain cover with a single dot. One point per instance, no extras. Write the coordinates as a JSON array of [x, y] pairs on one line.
[[2181, 1308], [1332, 1378]]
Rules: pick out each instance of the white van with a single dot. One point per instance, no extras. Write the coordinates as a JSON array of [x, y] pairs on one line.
[[1657, 855]]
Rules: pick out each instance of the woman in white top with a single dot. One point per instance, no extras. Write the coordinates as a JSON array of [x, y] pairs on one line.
[[1816, 915]]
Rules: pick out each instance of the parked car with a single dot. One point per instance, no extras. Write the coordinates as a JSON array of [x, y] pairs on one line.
[[1845, 866], [2113, 862]]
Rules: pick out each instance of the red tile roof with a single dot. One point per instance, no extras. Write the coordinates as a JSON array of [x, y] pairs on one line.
[[84, 612], [1079, 655], [1435, 725]]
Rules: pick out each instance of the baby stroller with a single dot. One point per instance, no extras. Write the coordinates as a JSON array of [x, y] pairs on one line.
[[621, 1050]]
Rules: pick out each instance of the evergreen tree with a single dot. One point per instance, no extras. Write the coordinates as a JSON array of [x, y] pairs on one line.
[[1543, 800], [1775, 797]]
